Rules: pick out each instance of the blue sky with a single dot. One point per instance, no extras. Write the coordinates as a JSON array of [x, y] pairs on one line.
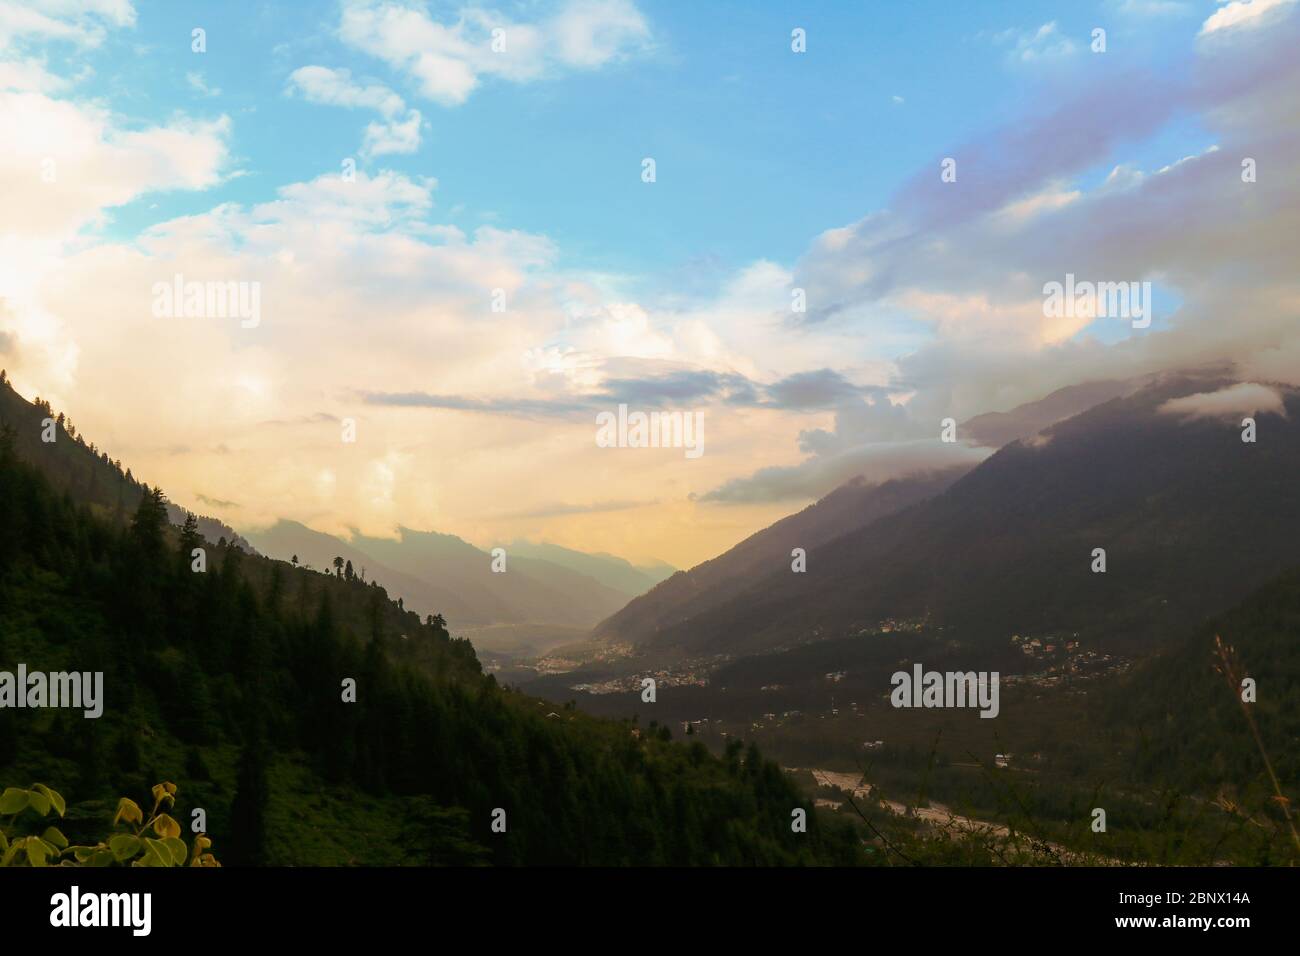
[[729, 113]]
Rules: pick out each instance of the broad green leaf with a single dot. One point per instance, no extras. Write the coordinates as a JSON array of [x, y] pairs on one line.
[[55, 798], [38, 802], [4, 843], [12, 852], [13, 801], [157, 853], [101, 857], [128, 811], [178, 850], [165, 826], [124, 846], [37, 851], [54, 836], [83, 853]]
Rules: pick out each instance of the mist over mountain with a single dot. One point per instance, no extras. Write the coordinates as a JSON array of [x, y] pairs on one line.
[[996, 429]]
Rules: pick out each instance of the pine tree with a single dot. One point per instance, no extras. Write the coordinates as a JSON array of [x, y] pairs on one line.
[[190, 538], [150, 520]]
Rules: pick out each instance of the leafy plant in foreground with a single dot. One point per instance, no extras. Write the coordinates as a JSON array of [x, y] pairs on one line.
[[148, 841]]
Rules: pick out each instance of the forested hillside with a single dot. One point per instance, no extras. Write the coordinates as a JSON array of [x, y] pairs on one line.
[[229, 682], [1183, 718]]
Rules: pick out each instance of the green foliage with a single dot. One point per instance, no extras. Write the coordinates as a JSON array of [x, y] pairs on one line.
[[147, 841]]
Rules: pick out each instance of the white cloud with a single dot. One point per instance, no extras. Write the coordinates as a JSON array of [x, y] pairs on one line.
[[321, 84], [590, 33], [876, 461], [384, 200], [402, 136], [1028, 46], [334, 260], [448, 59], [1053, 197], [81, 22], [335, 87], [29, 74], [1240, 13], [200, 85], [65, 163], [1244, 398]]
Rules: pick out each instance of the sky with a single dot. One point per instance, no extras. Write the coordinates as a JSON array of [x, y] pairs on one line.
[[460, 262]]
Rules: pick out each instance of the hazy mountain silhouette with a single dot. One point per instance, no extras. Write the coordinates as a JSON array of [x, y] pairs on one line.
[[610, 570], [445, 574]]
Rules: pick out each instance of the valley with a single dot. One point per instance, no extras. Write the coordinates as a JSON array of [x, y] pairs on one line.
[[1071, 669]]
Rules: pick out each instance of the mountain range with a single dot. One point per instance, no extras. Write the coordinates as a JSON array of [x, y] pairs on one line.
[[1190, 518]]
